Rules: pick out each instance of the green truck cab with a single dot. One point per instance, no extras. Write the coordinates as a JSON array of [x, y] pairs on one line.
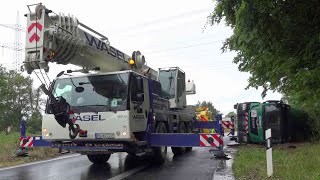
[[242, 120], [269, 114], [286, 123]]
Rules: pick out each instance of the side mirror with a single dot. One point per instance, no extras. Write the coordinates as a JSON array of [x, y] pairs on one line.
[[137, 94], [138, 98], [139, 82], [235, 106]]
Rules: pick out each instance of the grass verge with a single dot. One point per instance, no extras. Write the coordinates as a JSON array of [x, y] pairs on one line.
[[302, 162], [9, 145]]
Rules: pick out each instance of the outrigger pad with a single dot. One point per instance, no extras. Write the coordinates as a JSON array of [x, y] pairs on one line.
[[221, 156], [22, 152]]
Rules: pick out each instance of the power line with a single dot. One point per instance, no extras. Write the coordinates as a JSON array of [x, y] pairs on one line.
[[170, 56], [150, 31], [208, 63], [10, 47], [201, 67], [14, 27], [183, 47], [196, 39], [170, 18], [205, 68], [148, 28], [163, 19]]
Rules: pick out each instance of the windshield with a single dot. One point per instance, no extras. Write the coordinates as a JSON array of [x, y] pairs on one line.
[[167, 80], [99, 93]]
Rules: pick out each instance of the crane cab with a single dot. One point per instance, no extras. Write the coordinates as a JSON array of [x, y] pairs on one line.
[[106, 103], [173, 84]]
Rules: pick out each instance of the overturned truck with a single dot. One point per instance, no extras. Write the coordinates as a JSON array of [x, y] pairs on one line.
[[287, 124]]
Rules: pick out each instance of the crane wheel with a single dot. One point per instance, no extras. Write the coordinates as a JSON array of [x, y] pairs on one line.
[[179, 150], [159, 153], [189, 129], [247, 139], [99, 158], [243, 138]]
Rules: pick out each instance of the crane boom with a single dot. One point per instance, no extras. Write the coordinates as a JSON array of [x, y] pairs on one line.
[[64, 40]]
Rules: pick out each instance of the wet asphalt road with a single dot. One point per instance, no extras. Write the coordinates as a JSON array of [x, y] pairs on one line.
[[197, 164], [192, 165]]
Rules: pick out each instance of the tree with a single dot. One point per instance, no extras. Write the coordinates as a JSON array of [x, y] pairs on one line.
[[231, 114], [277, 42], [209, 105], [34, 122], [17, 98]]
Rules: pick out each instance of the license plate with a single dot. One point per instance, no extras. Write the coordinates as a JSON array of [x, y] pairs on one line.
[[105, 136]]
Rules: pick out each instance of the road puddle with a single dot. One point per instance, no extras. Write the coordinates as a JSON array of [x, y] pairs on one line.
[[224, 168]]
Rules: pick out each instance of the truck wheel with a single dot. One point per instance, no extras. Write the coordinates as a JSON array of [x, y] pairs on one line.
[[160, 153], [99, 158], [189, 129], [246, 138], [179, 150]]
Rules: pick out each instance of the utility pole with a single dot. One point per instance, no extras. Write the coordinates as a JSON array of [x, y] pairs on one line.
[[17, 45]]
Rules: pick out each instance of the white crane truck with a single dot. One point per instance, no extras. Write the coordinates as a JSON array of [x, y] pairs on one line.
[[116, 103]]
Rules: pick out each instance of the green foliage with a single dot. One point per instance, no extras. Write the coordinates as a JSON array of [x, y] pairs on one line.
[[9, 145], [34, 123], [17, 98], [11, 138], [250, 162], [231, 114], [208, 104], [277, 42]]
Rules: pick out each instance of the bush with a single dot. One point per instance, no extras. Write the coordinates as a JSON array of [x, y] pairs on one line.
[[34, 123], [314, 124]]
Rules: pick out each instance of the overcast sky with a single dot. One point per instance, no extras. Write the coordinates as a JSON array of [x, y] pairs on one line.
[[168, 32]]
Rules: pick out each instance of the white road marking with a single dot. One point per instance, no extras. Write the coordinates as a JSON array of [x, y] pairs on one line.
[[39, 162], [128, 173]]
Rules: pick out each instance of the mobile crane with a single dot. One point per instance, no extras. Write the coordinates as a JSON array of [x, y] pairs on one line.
[[117, 103]]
